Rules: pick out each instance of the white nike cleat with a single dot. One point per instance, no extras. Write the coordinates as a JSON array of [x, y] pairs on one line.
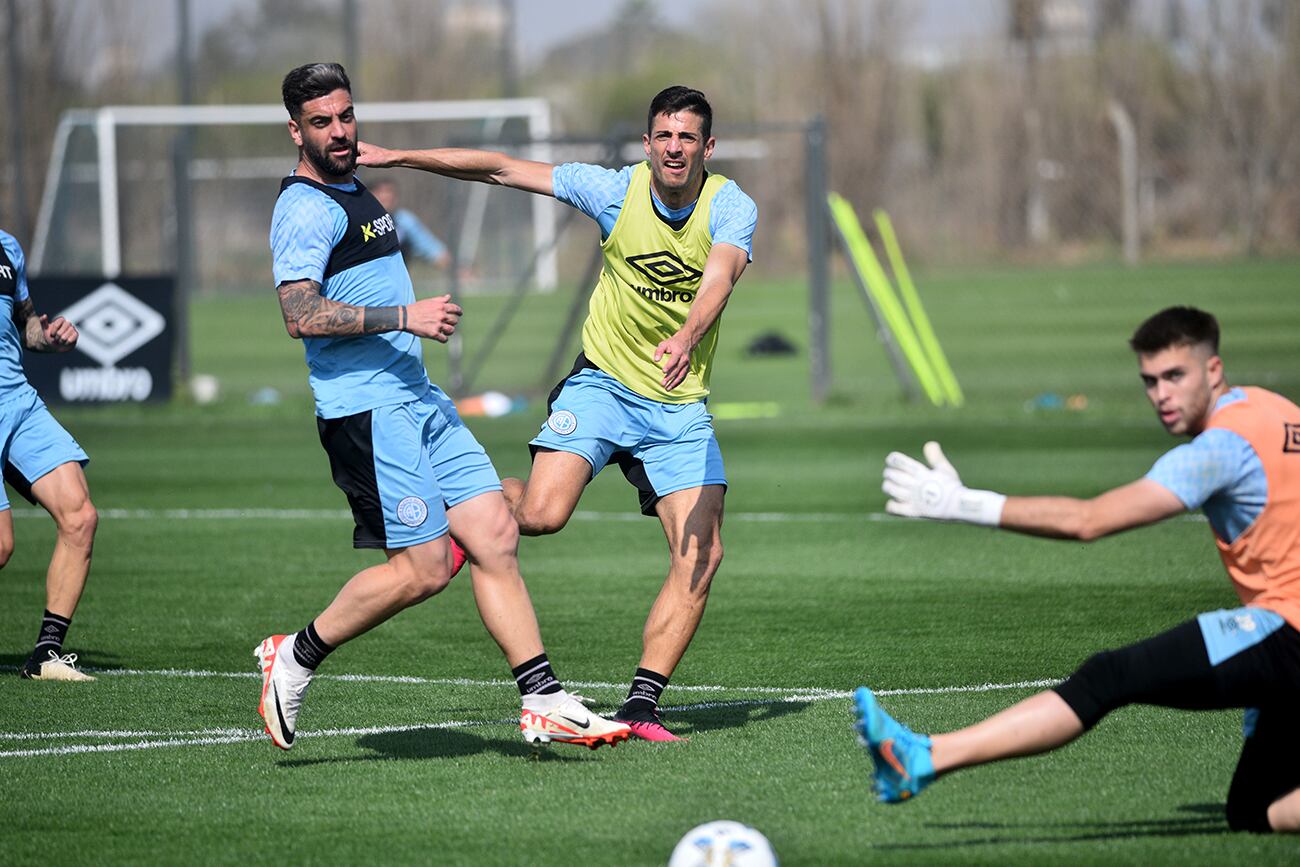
[[563, 718], [283, 688], [58, 668]]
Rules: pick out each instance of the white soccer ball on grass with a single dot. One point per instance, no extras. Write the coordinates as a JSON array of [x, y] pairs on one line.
[[723, 843]]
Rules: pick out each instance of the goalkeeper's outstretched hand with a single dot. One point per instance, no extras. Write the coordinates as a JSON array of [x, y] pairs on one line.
[[935, 491]]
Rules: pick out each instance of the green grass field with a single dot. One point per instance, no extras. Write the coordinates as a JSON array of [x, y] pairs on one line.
[[410, 751]]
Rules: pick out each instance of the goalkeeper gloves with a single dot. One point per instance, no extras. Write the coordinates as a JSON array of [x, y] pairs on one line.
[[936, 491]]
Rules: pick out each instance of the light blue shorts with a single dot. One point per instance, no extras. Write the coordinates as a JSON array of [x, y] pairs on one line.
[[32, 443], [661, 447], [403, 466]]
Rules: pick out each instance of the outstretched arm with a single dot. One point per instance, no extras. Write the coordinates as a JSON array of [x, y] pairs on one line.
[[39, 333], [722, 269], [309, 314], [1133, 505], [936, 492], [488, 167]]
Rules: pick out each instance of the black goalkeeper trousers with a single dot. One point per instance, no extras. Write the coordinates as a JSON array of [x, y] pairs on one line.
[[1173, 669]]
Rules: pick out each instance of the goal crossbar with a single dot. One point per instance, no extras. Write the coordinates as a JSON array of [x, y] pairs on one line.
[[105, 122]]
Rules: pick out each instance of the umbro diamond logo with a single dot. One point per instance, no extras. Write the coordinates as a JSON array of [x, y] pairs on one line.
[[113, 323], [664, 268]]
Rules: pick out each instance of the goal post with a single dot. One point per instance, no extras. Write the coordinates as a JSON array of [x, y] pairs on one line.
[[106, 124]]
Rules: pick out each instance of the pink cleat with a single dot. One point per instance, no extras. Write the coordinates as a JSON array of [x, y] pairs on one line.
[[646, 725]]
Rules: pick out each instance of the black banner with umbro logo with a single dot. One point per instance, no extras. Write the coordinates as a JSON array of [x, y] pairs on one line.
[[124, 348]]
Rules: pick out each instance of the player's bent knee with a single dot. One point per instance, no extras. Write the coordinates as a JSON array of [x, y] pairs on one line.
[[426, 583], [6, 551], [704, 558], [78, 525], [421, 579], [540, 521], [495, 543]]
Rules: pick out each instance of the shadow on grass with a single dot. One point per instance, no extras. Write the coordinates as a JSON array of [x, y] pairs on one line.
[[1208, 821], [716, 715], [448, 743], [439, 743]]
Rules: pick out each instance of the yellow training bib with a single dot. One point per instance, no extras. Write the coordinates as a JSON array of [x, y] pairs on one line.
[[649, 280]]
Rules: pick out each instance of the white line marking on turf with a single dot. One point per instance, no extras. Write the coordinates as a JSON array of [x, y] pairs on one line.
[[149, 740], [231, 736], [815, 691]]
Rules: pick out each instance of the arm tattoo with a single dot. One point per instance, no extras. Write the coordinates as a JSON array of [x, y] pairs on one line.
[[308, 314], [29, 326]]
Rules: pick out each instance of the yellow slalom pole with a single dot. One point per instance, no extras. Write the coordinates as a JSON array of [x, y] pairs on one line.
[[864, 259], [906, 288]]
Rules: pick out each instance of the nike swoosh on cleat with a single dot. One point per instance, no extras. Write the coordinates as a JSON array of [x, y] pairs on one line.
[[284, 727], [887, 751], [582, 725]]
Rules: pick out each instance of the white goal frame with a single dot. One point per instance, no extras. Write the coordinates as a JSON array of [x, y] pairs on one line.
[[106, 121]]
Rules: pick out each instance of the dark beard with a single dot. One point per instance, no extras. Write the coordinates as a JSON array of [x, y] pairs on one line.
[[327, 166]]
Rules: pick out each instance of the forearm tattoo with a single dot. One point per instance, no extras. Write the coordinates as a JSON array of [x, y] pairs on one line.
[[29, 326], [308, 314]]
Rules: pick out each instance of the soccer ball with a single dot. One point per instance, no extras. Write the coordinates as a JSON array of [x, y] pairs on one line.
[[723, 844]]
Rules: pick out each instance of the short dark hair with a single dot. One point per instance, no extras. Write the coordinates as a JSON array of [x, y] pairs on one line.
[[1176, 326], [677, 98], [312, 81]]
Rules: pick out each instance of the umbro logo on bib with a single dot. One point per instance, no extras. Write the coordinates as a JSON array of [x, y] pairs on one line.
[[664, 268]]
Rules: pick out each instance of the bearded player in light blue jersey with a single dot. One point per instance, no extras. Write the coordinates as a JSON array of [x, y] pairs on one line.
[[675, 238], [43, 463], [410, 469]]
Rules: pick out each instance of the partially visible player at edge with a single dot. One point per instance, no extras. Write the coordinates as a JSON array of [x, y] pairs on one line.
[[43, 463], [676, 238], [1242, 468], [411, 470]]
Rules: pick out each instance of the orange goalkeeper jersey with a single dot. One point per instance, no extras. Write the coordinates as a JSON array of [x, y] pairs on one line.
[[1264, 561]]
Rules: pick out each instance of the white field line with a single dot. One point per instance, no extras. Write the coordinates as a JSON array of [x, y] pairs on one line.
[[147, 740], [344, 515], [216, 737], [814, 691]]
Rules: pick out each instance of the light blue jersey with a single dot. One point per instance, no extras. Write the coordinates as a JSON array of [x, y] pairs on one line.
[[32, 443], [13, 280], [1217, 472], [348, 374], [600, 192]]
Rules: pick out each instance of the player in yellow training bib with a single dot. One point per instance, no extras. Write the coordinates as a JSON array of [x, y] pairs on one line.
[[675, 238]]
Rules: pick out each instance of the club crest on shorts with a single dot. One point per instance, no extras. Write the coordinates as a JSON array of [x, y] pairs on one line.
[[562, 422], [412, 511]]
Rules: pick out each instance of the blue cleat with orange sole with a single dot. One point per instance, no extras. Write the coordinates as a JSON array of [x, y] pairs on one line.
[[901, 757]]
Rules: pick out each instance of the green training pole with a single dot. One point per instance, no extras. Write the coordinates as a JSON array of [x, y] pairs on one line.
[[864, 259], [920, 321]]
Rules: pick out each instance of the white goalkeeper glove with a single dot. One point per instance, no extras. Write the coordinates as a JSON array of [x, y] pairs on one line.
[[936, 491]]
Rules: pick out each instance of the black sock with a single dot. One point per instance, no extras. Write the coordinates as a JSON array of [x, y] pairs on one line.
[[50, 639], [309, 649], [535, 677], [644, 693]]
